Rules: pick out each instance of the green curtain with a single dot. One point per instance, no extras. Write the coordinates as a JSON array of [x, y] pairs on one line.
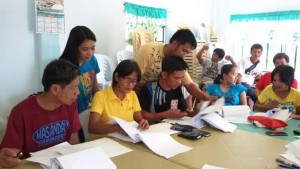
[[149, 18], [268, 16], [145, 11]]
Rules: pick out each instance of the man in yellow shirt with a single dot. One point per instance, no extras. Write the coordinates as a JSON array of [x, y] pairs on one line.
[[149, 58]]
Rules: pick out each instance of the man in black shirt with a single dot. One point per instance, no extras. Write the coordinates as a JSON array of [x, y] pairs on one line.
[[163, 98]]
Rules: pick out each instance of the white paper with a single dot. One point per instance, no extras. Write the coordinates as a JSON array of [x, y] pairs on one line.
[[161, 127], [92, 158], [203, 105], [236, 114], [109, 146], [293, 152], [159, 142], [218, 122], [130, 128], [283, 115], [44, 156], [163, 144], [216, 107], [206, 166]]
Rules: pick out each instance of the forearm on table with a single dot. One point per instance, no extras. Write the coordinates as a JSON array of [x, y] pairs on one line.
[[154, 116]]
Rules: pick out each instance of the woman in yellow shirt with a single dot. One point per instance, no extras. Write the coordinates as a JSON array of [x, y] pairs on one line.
[[118, 100], [280, 94]]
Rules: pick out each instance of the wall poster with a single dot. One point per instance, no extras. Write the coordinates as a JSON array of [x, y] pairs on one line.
[[50, 16]]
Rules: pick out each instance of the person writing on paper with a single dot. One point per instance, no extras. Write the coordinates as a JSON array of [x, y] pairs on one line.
[[280, 94], [44, 120], [225, 86], [79, 50], [118, 100], [265, 80], [163, 98]]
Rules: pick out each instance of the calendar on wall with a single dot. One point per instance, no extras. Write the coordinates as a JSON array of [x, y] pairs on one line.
[[50, 16]]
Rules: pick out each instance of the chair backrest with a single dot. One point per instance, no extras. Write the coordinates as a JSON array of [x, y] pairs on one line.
[[123, 55], [106, 69]]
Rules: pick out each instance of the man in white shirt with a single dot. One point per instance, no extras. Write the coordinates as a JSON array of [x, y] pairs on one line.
[[250, 69]]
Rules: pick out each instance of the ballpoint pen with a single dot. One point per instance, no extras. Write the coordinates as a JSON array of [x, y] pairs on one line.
[[19, 155], [291, 165]]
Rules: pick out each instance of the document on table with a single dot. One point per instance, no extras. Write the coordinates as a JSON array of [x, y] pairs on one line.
[[131, 129], [219, 122], [92, 158], [236, 114], [109, 146], [159, 142], [293, 152], [163, 144]]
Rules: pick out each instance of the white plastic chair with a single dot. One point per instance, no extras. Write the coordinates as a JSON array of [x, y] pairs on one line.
[[123, 55], [106, 71]]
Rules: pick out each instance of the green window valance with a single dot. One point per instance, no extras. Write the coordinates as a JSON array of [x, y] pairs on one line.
[[268, 16], [145, 11]]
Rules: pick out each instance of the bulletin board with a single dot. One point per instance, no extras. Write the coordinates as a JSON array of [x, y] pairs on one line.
[[50, 16]]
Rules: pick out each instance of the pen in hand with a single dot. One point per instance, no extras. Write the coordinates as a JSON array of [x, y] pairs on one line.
[[19, 155]]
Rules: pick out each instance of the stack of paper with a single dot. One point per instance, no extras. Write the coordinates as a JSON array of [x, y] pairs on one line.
[[159, 142], [293, 152], [219, 122], [236, 114], [92, 158], [103, 148], [211, 116]]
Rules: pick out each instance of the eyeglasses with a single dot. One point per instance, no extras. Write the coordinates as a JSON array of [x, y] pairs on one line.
[[128, 80]]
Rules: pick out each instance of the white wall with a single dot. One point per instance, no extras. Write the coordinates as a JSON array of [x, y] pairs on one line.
[[18, 60], [222, 9], [25, 53]]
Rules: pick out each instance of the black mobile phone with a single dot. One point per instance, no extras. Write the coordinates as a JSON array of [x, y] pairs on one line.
[[190, 135], [297, 132], [203, 133], [276, 133]]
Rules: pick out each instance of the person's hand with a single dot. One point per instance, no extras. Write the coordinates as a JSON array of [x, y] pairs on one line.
[[119, 129], [213, 99], [143, 125], [205, 47], [8, 157], [294, 116], [228, 57], [273, 104], [175, 113], [258, 76]]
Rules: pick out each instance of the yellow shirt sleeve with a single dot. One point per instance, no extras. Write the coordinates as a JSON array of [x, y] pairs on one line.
[[187, 78], [97, 103]]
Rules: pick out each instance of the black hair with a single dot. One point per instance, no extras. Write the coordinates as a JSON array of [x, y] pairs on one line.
[[256, 46], [173, 63], [77, 35], [281, 56], [125, 68], [61, 72], [220, 52], [286, 74], [224, 70], [183, 36]]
